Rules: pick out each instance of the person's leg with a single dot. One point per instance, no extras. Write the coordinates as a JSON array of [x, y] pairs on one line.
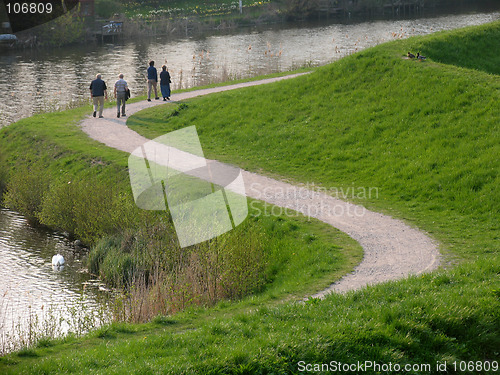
[[118, 100], [123, 103], [96, 104], [101, 105], [163, 89], [156, 90], [168, 91], [150, 87]]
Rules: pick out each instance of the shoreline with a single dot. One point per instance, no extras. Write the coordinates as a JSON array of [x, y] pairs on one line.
[[193, 25]]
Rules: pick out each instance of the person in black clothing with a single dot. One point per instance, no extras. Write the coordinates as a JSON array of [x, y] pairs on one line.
[[98, 93], [165, 83]]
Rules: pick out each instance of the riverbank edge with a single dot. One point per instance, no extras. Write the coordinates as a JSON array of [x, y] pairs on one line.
[[31, 154], [269, 13]]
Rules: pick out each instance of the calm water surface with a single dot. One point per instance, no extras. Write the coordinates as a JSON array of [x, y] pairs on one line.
[[34, 81], [33, 294]]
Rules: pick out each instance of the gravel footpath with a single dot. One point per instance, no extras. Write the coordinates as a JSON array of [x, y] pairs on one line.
[[392, 249]]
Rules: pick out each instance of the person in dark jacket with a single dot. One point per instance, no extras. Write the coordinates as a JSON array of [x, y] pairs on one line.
[[98, 91], [152, 80], [165, 83]]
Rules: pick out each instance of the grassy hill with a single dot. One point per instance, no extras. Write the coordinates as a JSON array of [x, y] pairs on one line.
[[424, 133], [427, 135]]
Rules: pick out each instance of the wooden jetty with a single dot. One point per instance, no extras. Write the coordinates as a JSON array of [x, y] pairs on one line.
[[109, 30]]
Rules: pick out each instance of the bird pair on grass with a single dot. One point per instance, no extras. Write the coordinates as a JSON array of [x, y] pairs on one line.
[[419, 56]]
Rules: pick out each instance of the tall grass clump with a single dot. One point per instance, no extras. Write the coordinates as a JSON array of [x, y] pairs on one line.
[[24, 190], [3, 176], [35, 329]]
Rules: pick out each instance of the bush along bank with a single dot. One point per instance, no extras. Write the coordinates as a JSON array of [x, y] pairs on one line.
[[56, 176]]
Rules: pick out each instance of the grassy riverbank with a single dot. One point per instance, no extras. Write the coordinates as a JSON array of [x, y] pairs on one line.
[[227, 12], [426, 135], [51, 172]]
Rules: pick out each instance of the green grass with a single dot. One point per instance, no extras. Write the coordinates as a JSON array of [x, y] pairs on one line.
[[477, 49], [52, 172], [424, 133], [446, 316], [51, 148]]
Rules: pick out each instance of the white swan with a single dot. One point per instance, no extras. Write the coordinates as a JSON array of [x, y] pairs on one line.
[[57, 260]]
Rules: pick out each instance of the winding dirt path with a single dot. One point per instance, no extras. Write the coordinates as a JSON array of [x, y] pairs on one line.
[[392, 249]]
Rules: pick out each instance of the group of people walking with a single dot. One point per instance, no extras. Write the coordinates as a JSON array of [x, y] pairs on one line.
[[153, 81], [98, 90]]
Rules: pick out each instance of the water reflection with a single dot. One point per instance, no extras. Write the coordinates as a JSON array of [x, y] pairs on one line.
[[33, 81], [32, 294]]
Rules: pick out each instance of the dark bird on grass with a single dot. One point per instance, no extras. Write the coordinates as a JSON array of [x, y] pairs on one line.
[[411, 55], [420, 57]]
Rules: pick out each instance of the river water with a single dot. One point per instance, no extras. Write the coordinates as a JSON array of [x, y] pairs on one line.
[[32, 294], [36, 299]]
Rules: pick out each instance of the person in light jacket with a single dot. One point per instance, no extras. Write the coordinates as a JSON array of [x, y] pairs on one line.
[[121, 88]]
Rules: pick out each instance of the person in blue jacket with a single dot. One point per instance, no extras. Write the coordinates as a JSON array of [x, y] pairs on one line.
[[152, 80]]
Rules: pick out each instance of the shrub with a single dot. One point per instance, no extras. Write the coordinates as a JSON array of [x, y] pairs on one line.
[[24, 191], [66, 29], [87, 208], [298, 8], [159, 277], [57, 207], [244, 262]]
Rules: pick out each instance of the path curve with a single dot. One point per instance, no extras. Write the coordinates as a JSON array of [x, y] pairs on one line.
[[392, 249]]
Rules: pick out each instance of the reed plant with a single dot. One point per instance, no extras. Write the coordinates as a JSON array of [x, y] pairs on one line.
[[55, 323]]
